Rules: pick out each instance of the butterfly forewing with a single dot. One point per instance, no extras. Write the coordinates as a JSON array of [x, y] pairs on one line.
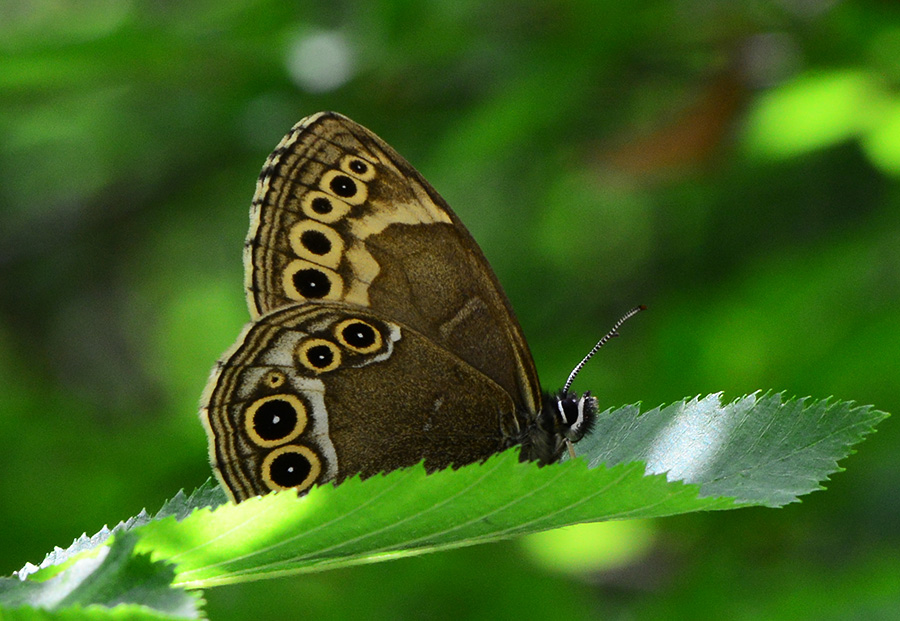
[[339, 216]]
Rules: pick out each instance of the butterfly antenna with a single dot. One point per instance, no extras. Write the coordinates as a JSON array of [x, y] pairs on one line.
[[614, 332]]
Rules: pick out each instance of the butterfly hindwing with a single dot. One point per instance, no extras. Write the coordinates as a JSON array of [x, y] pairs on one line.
[[318, 392]]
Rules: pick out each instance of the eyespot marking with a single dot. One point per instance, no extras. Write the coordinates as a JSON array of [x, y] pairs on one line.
[[316, 242], [318, 355], [323, 207], [291, 466], [358, 167], [303, 280], [338, 183], [275, 419], [274, 379], [343, 185], [358, 336]]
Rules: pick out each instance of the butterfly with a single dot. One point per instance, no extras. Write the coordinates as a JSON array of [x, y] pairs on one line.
[[380, 336]]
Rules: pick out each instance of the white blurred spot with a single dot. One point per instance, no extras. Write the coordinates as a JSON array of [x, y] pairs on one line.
[[808, 8], [60, 21], [320, 61], [769, 58]]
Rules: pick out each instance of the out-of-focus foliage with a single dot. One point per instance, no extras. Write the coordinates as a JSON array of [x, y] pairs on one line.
[[733, 166]]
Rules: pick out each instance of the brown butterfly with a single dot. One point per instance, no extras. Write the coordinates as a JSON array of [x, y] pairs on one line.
[[380, 334]]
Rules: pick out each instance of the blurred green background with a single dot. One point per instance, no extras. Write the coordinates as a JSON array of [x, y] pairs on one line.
[[734, 166]]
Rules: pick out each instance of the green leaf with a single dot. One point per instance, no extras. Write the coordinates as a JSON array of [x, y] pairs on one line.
[[407, 512], [690, 456], [179, 506], [114, 576], [122, 612], [757, 449], [813, 112], [882, 143]]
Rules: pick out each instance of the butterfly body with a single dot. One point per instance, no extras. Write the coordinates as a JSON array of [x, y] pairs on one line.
[[380, 334]]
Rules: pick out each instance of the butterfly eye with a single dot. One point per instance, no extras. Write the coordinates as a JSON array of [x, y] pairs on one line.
[[303, 280], [340, 184], [315, 241], [275, 419], [319, 355], [358, 167], [291, 466], [358, 336], [323, 207]]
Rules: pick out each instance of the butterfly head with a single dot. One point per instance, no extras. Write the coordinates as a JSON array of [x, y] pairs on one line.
[[574, 416], [565, 418]]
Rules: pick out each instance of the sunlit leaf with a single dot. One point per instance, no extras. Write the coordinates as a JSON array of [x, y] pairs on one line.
[[113, 576], [882, 143], [812, 112]]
